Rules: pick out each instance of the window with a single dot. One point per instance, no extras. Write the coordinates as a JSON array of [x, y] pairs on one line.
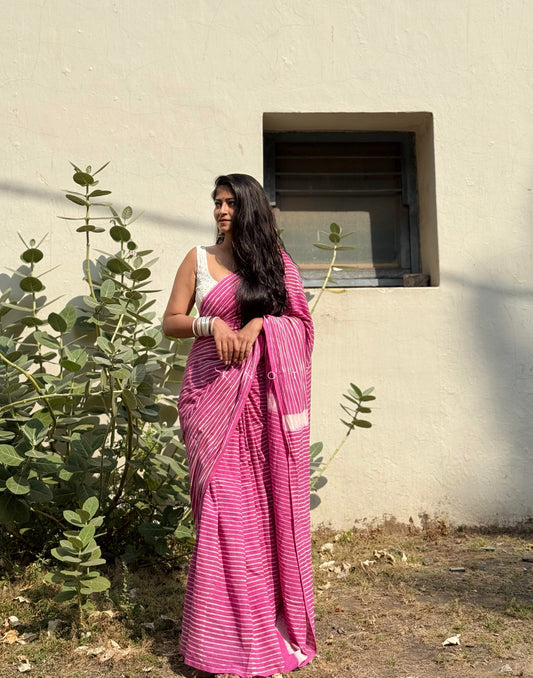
[[364, 181]]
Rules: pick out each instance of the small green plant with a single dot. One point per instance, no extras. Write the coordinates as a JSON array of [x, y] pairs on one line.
[[335, 236], [357, 406], [79, 554], [354, 395]]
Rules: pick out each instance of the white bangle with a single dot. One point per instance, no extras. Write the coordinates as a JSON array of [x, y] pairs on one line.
[[202, 326]]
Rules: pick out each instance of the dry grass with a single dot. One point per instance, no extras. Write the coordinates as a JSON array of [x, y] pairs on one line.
[[388, 618]]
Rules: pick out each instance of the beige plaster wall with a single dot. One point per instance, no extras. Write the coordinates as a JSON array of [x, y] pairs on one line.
[[174, 92]]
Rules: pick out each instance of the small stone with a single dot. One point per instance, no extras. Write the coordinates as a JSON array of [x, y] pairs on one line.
[[506, 668], [326, 548], [452, 640], [52, 626]]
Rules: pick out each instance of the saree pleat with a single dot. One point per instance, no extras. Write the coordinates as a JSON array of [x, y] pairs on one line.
[[248, 605]]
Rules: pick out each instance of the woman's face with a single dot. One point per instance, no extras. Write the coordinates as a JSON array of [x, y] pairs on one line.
[[224, 207]]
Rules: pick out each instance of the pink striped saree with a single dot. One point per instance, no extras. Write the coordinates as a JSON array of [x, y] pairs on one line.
[[249, 600]]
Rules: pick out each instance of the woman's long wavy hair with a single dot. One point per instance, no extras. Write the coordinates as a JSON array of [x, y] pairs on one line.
[[256, 248]]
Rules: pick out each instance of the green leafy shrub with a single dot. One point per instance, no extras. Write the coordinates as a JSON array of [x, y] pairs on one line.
[[79, 553], [87, 397]]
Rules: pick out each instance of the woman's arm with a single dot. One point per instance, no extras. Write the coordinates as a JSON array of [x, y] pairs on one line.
[[176, 320]]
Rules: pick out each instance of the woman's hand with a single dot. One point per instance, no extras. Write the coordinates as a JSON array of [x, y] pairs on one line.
[[234, 347], [245, 339], [225, 341]]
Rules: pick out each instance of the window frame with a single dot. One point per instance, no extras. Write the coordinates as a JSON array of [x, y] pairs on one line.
[[409, 240]]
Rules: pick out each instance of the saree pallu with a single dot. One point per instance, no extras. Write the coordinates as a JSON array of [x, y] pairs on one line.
[[249, 600]]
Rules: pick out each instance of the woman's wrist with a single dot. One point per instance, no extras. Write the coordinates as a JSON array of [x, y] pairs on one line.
[[202, 326]]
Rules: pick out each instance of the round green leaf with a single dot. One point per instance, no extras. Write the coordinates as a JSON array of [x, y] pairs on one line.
[[183, 532], [76, 542], [334, 238], [96, 584], [69, 316], [147, 342], [70, 365], [315, 449], [129, 399], [6, 435], [34, 431], [9, 456], [91, 506], [57, 323], [83, 179], [105, 345], [72, 517], [335, 228], [31, 284], [118, 266], [86, 534], [86, 228], [119, 233], [140, 274], [132, 245], [40, 493], [32, 256], [65, 596], [362, 423], [76, 199], [107, 290], [46, 340], [90, 302], [133, 295], [30, 321], [127, 212], [12, 510], [18, 485], [94, 562]]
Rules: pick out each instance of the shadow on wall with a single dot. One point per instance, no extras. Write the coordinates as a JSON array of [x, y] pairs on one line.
[[501, 319], [46, 194]]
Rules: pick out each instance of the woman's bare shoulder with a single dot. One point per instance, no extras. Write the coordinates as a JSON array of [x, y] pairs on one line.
[[189, 261]]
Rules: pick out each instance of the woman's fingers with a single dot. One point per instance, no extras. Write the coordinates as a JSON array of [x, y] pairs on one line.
[[245, 346]]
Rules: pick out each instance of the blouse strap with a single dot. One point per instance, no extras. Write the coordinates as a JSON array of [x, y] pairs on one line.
[[201, 260]]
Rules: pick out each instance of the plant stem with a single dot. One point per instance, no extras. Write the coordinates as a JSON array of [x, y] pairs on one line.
[[88, 247], [336, 451], [326, 279], [42, 396], [124, 477], [35, 386], [47, 515]]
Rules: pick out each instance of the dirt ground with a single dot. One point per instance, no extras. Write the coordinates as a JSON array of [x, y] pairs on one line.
[[386, 601]]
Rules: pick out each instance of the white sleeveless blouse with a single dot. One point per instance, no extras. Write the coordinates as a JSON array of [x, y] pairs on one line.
[[204, 280]]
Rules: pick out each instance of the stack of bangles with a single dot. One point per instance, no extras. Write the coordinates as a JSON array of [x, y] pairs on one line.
[[203, 326]]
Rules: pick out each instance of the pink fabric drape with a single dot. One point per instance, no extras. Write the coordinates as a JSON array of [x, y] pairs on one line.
[[249, 600]]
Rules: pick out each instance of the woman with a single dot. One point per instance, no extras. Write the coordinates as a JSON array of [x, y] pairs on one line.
[[244, 413]]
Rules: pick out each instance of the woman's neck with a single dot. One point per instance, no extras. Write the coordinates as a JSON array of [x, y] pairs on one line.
[[226, 244]]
